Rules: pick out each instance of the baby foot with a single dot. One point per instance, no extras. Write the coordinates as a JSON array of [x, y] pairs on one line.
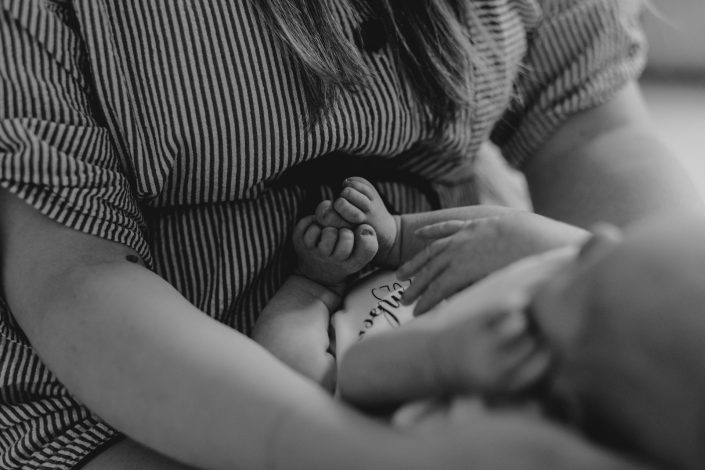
[[360, 203], [328, 255], [328, 217]]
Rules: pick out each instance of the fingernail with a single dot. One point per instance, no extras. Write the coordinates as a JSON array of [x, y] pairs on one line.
[[366, 231]]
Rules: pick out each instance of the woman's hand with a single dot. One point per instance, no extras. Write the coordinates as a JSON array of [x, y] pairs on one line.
[[488, 352], [464, 433], [461, 252]]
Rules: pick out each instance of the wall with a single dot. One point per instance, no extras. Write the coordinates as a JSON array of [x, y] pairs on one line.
[[677, 39]]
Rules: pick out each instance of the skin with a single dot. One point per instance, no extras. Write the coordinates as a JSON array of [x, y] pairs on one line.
[[434, 246], [466, 348], [622, 323], [146, 383], [133, 359], [477, 343], [613, 147], [355, 229], [625, 322], [294, 324], [520, 429], [459, 253], [562, 176]]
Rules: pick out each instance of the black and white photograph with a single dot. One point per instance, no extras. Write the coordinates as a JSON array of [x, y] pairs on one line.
[[352, 234]]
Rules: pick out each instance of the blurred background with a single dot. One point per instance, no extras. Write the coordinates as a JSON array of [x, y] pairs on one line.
[[674, 81]]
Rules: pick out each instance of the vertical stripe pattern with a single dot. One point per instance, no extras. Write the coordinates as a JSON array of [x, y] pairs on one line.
[[174, 126]]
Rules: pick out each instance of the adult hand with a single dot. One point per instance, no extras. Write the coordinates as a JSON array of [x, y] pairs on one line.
[[476, 342], [488, 352], [461, 252], [464, 433]]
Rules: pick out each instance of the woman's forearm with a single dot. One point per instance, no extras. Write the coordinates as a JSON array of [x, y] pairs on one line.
[[140, 356], [130, 347]]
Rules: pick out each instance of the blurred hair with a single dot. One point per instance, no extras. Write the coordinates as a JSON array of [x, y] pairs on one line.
[[430, 40]]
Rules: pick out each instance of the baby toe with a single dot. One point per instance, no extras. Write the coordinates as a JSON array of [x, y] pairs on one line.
[[311, 236], [327, 216], [344, 247], [329, 238], [366, 246], [356, 198], [362, 185], [348, 211]]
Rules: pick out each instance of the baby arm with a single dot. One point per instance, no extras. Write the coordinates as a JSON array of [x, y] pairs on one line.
[[488, 352], [294, 325]]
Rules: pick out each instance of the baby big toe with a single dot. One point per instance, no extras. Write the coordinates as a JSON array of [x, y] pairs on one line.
[[362, 185], [366, 246], [348, 211], [328, 217]]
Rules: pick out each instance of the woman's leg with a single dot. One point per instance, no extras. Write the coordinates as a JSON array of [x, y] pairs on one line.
[[129, 455]]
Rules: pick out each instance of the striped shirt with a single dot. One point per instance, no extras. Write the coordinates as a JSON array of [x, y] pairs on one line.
[[174, 127]]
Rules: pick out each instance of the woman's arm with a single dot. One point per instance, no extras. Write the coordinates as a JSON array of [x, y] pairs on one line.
[[140, 356], [607, 164], [602, 165]]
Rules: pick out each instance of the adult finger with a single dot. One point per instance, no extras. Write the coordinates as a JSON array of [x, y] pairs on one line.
[[444, 285], [516, 349], [456, 276], [424, 278], [441, 229], [511, 325], [529, 371], [517, 367], [415, 264]]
